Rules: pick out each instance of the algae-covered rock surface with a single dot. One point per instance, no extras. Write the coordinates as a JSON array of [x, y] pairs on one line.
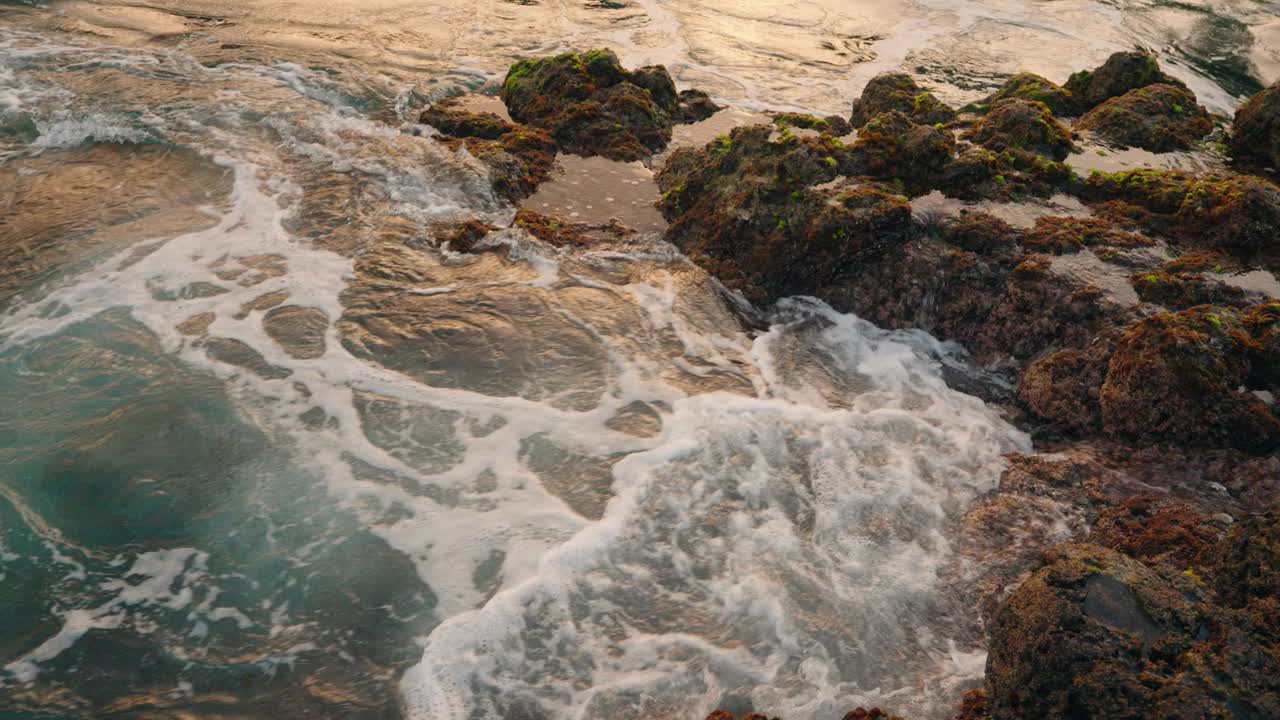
[[591, 105]]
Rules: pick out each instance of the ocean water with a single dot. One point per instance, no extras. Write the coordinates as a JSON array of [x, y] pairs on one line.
[[268, 448]]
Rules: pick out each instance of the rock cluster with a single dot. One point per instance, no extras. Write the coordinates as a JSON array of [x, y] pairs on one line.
[[1133, 574], [584, 104]]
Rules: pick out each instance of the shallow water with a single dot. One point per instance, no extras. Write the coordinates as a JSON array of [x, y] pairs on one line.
[[269, 448]]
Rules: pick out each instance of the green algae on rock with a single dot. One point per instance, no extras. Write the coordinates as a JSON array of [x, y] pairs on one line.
[[1159, 118], [1031, 87], [1238, 213], [1122, 72], [831, 124], [890, 146], [897, 91], [1182, 290], [1022, 125], [591, 105], [748, 209], [1182, 377]]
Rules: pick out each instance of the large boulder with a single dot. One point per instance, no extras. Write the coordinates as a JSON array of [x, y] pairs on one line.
[[1096, 634], [1181, 377], [591, 105], [1159, 118], [1255, 134], [897, 91], [1014, 124], [1122, 72]]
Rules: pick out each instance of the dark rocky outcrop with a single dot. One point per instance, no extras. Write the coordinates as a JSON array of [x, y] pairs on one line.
[[451, 119], [1122, 72], [1014, 124], [897, 91], [1158, 118], [591, 105], [1255, 134], [1156, 407], [694, 105]]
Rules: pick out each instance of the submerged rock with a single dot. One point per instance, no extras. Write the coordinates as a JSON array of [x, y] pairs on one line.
[[1159, 118], [1255, 133], [897, 91], [1022, 125], [1122, 72], [591, 105], [519, 157]]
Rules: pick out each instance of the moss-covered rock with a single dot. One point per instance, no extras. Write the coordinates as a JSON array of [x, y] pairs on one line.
[[1062, 388], [1181, 377], [694, 105], [977, 173], [1122, 72], [1238, 213], [830, 125], [1057, 235], [519, 157], [451, 119], [1159, 118], [891, 146], [1029, 86], [1096, 634], [981, 233], [897, 91], [1182, 290], [1157, 529], [1255, 133], [594, 106], [746, 208], [1245, 568], [1014, 124]]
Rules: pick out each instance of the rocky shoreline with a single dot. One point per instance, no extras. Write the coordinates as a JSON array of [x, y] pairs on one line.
[[1146, 580]]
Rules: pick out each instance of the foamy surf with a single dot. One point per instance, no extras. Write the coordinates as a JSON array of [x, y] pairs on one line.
[[774, 548]]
